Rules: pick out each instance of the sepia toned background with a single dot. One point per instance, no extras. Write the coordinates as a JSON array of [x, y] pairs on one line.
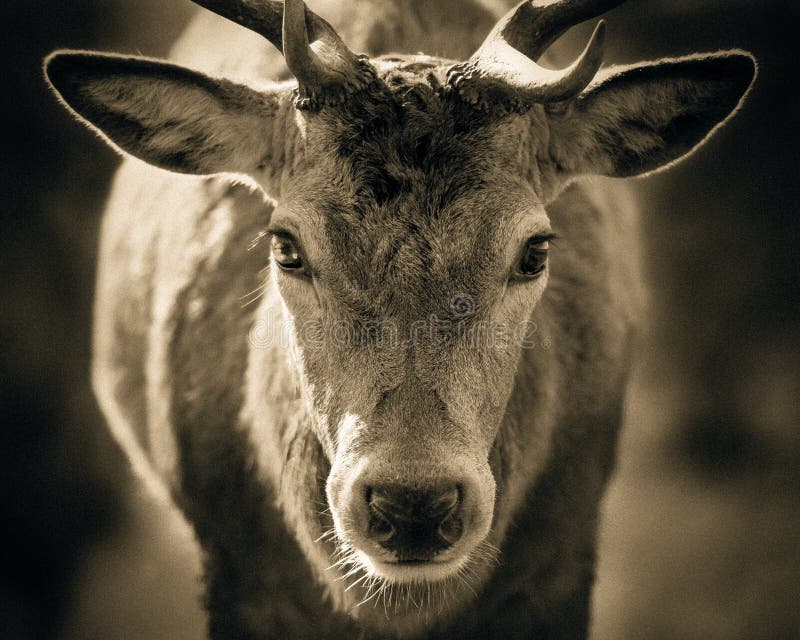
[[701, 530]]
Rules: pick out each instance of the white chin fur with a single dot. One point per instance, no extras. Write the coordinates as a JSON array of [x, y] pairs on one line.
[[398, 573]]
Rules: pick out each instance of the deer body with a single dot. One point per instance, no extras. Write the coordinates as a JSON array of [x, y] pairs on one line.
[[413, 483]]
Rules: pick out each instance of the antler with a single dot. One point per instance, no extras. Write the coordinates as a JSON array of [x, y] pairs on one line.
[[326, 70], [265, 17], [504, 67]]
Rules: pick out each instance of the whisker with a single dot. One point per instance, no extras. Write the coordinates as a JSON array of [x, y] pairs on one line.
[[387, 596], [466, 583], [356, 582], [257, 240], [254, 295], [370, 594], [325, 535], [351, 572]]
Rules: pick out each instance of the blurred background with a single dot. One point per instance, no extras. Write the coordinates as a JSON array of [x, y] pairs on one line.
[[701, 530]]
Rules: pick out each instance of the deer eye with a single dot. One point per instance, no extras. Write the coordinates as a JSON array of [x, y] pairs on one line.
[[286, 252], [534, 258]]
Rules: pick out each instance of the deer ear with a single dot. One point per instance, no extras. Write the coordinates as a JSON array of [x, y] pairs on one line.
[[641, 118], [166, 115]]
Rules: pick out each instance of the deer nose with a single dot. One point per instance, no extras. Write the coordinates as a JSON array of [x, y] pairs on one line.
[[414, 523]]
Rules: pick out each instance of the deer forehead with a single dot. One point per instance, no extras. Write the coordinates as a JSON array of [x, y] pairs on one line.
[[413, 252], [408, 123], [411, 260], [396, 199]]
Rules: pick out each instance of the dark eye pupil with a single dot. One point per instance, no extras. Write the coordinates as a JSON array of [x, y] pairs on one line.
[[534, 258], [286, 253]]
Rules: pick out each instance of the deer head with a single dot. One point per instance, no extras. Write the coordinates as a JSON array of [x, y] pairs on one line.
[[411, 235]]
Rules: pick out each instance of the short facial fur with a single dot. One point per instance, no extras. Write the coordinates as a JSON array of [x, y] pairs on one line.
[[406, 353]]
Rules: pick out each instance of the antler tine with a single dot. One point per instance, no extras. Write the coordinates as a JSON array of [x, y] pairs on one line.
[[328, 64], [531, 27], [326, 70], [504, 66], [265, 17], [555, 86]]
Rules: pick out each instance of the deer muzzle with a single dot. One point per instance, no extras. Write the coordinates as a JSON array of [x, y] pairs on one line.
[[411, 522]]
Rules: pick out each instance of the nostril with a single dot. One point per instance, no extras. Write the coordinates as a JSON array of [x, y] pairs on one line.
[[380, 528], [415, 523], [447, 502], [451, 528]]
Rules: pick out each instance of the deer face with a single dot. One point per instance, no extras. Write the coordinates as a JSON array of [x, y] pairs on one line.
[[409, 250], [409, 257]]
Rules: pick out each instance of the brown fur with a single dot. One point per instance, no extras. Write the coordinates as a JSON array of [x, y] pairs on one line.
[[409, 204]]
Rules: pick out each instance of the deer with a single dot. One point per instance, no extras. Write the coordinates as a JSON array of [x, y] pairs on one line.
[[367, 320]]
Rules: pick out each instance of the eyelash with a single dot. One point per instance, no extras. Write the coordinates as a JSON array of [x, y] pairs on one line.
[[519, 273], [277, 237], [531, 249]]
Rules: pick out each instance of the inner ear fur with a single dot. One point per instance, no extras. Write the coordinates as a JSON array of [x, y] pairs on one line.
[[640, 118], [167, 115]]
